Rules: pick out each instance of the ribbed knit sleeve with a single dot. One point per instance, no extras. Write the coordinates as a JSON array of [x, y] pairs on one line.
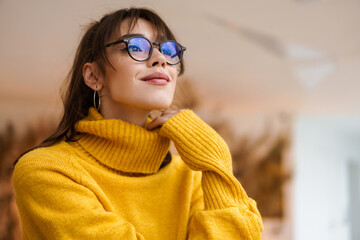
[[228, 212]]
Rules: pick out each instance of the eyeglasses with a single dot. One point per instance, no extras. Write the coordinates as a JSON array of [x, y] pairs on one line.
[[140, 49]]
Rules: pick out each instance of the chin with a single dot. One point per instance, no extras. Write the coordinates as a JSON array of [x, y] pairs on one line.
[[159, 105]]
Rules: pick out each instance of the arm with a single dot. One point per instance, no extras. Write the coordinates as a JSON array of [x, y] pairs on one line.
[[54, 203], [228, 212]]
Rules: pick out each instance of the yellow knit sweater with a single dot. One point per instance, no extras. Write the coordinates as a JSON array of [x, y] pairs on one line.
[[111, 184]]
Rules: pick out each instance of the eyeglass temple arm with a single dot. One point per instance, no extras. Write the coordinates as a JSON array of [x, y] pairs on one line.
[[114, 43]]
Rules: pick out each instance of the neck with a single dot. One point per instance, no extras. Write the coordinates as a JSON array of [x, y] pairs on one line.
[[125, 112]]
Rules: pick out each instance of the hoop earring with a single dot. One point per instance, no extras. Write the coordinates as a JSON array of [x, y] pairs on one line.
[[99, 102]]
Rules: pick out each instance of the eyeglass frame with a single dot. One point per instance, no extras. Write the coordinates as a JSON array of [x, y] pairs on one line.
[[127, 39]]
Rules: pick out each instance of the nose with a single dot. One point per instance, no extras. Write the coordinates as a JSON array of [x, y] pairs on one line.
[[157, 58]]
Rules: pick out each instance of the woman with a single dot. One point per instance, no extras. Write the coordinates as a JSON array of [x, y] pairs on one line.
[[107, 173]]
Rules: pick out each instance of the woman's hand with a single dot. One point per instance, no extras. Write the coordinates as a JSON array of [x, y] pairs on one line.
[[159, 121]]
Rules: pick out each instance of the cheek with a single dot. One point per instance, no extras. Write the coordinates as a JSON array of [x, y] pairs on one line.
[[120, 84], [123, 75], [174, 73], [175, 83]]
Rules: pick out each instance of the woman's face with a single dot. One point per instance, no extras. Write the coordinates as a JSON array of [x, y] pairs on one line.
[[126, 86]]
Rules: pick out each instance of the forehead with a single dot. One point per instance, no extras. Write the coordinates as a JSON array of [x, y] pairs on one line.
[[141, 27]]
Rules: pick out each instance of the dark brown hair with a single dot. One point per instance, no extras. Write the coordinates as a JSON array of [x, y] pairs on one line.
[[79, 97]]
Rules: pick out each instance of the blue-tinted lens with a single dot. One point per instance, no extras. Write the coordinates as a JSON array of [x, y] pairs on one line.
[[172, 51], [139, 48]]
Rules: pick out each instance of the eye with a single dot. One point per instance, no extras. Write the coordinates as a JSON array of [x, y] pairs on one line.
[[167, 52], [134, 48], [170, 49]]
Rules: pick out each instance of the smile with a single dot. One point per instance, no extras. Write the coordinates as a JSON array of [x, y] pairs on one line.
[[157, 78]]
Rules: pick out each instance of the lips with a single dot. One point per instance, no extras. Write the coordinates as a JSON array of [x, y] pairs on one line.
[[157, 75]]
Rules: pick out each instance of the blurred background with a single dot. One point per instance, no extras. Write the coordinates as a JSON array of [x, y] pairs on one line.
[[279, 80]]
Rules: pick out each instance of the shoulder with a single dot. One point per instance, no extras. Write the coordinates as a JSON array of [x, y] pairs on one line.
[[56, 158], [46, 155]]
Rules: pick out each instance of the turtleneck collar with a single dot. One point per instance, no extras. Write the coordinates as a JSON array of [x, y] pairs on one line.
[[122, 145]]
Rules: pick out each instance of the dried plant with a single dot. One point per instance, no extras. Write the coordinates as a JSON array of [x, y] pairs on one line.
[[11, 146], [9, 221]]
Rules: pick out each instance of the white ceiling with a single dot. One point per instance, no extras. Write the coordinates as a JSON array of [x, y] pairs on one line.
[[250, 55]]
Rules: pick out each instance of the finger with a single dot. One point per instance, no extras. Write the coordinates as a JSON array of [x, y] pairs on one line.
[[169, 113], [165, 115], [157, 122], [166, 111]]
